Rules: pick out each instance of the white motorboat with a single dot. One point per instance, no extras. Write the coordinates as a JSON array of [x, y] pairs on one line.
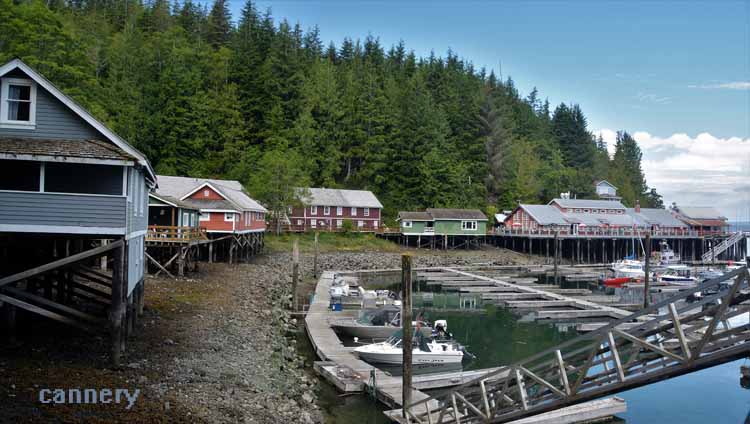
[[379, 323], [680, 275], [667, 256], [423, 351], [628, 268]]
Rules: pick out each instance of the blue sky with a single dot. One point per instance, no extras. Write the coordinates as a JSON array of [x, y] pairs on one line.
[[660, 69]]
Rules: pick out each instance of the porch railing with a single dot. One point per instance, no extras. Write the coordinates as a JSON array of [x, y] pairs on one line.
[[168, 233]]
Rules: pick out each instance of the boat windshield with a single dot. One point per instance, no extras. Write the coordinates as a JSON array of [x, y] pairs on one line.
[[418, 341]]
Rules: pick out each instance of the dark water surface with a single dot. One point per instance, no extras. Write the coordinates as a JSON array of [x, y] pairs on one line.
[[496, 337]]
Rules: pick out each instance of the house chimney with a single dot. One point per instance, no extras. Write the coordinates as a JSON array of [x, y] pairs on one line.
[[637, 206]]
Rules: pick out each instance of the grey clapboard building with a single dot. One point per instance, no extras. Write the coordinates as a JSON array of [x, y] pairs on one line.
[[67, 182]]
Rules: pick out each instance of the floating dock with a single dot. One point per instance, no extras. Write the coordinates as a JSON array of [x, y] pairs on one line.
[[349, 374]]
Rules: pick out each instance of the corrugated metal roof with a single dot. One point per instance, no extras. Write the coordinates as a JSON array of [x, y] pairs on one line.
[[587, 203], [415, 216], [340, 197], [439, 213], [653, 216], [179, 187], [212, 204], [700, 212], [173, 200], [86, 149], [545, 214]]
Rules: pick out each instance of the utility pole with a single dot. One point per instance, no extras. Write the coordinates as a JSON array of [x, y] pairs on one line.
[[406, 343]]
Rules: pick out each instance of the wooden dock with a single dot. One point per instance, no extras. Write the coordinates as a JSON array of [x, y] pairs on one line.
[[344, 370]]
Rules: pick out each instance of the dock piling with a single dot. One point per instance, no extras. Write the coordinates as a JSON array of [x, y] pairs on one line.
[[295, 272], [406, 260]]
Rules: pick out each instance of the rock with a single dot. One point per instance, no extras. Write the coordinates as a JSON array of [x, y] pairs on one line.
[[308, 397], [169, 342]]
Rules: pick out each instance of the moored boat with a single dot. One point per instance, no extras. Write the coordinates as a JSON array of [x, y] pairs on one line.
[[424, 351], [678, 275], [377, 324]]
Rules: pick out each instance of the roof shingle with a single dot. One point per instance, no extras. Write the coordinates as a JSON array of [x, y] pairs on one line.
[[86, 149]]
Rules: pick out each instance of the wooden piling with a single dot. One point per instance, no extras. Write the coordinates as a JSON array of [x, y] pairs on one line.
[[295, 272], [556, 258], [315, 256], [117, 308], [406, 262], [646, 282]]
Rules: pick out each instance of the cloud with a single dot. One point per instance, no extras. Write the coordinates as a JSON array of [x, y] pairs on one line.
[[653, 98], [736, 85], [703, 170]]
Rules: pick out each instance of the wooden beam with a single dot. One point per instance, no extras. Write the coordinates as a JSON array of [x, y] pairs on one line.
[[46, 302], [615, 356], [563, 372], [678, 331], [60, 263], [158, 265], [44, 312], [647, 345]]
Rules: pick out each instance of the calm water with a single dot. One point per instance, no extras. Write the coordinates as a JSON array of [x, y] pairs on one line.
[[497, 338]]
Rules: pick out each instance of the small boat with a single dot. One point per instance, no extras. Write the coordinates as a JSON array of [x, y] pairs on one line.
[[667, 256], [618, 281], [709, 274], [377, 324], [678, 275], [424, 351], [628, 268]]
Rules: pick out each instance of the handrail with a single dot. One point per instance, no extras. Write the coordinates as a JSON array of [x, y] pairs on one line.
[[174, 233]]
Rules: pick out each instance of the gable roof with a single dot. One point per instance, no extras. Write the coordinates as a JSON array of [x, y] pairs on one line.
[[340, 197], [700, 212], [80, 111], [20, 148], [414, 216], [653, 216], [450, 214], [232, 191], [605, 182], [586, 203], [172, 201], [544, 214]]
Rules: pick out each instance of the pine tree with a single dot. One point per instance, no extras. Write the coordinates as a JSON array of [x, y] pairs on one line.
[[219, 26]]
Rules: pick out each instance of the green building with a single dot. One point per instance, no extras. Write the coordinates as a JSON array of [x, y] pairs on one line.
[[452, 222]]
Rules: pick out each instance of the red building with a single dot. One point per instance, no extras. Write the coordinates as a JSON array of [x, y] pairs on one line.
[[223, 204], [704, 220], [327, 209]]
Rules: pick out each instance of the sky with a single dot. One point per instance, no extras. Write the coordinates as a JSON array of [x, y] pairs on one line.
[[675, 74]]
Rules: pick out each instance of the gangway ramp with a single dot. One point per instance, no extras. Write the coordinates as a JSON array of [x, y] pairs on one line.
[[675, 337]]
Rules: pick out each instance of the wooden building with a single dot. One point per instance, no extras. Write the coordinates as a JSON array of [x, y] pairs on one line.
[[224, 211], [703, 220], [606, 191], [327, 209], [435, 221], [71, 192]]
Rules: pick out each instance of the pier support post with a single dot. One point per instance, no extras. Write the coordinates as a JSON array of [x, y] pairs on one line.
[[557, 258], [117, 309], [295, 272], [406, 326], [315, 256], [646, 282]]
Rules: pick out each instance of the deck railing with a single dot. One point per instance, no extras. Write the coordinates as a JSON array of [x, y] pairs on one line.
[[168, 233], [596, 232]]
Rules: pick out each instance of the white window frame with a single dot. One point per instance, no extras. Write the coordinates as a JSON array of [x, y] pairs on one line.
[[300, 222], [185, 219], [326, 210], [339, 211], [313, 223], [469, 225], [339, 223], [229, 214], [366, 211], [360, 224], [406, 224], [313, 210], [204, 216], [354, 211], [4, 89], [206, 192], [375, 224]]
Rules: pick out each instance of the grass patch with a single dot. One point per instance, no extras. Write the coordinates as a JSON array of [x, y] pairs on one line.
[[331, 242]]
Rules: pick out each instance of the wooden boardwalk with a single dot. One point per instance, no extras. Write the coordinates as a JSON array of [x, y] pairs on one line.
[[344, 370]]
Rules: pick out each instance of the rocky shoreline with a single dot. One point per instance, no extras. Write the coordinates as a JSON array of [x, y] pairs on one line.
[[218, 347]]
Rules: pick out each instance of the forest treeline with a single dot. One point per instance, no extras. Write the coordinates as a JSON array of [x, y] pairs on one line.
[[263, 101]]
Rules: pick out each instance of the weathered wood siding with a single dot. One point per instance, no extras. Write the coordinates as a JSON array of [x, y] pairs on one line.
[[136, 262], [54, 120], [137, 205], [32, 208], [417, 227], [454, 228]]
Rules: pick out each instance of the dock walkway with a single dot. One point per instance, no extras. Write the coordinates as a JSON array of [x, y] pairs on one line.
[[349, 374]]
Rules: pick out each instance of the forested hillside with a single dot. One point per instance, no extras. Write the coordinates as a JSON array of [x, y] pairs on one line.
[[258, 99]]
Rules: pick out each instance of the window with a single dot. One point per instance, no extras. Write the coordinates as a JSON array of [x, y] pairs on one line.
[[339, 223], [60, 177], [313, 210], [299, 222], [406, 224], [374, 224], [469, 225], [586, 211], [313, 223], [339, 211], [228, 217], [206, 193], [18, 107], [354, 211], [289, 210], [204, 216], [185, 219], [326, 210], [19, 175], [360, 224], [366, 211]]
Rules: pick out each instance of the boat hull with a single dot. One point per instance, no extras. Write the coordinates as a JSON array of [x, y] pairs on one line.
[[354, 329], [417, 358]]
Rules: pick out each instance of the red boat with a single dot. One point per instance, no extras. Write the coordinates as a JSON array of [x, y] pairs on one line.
[[618, 282]]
